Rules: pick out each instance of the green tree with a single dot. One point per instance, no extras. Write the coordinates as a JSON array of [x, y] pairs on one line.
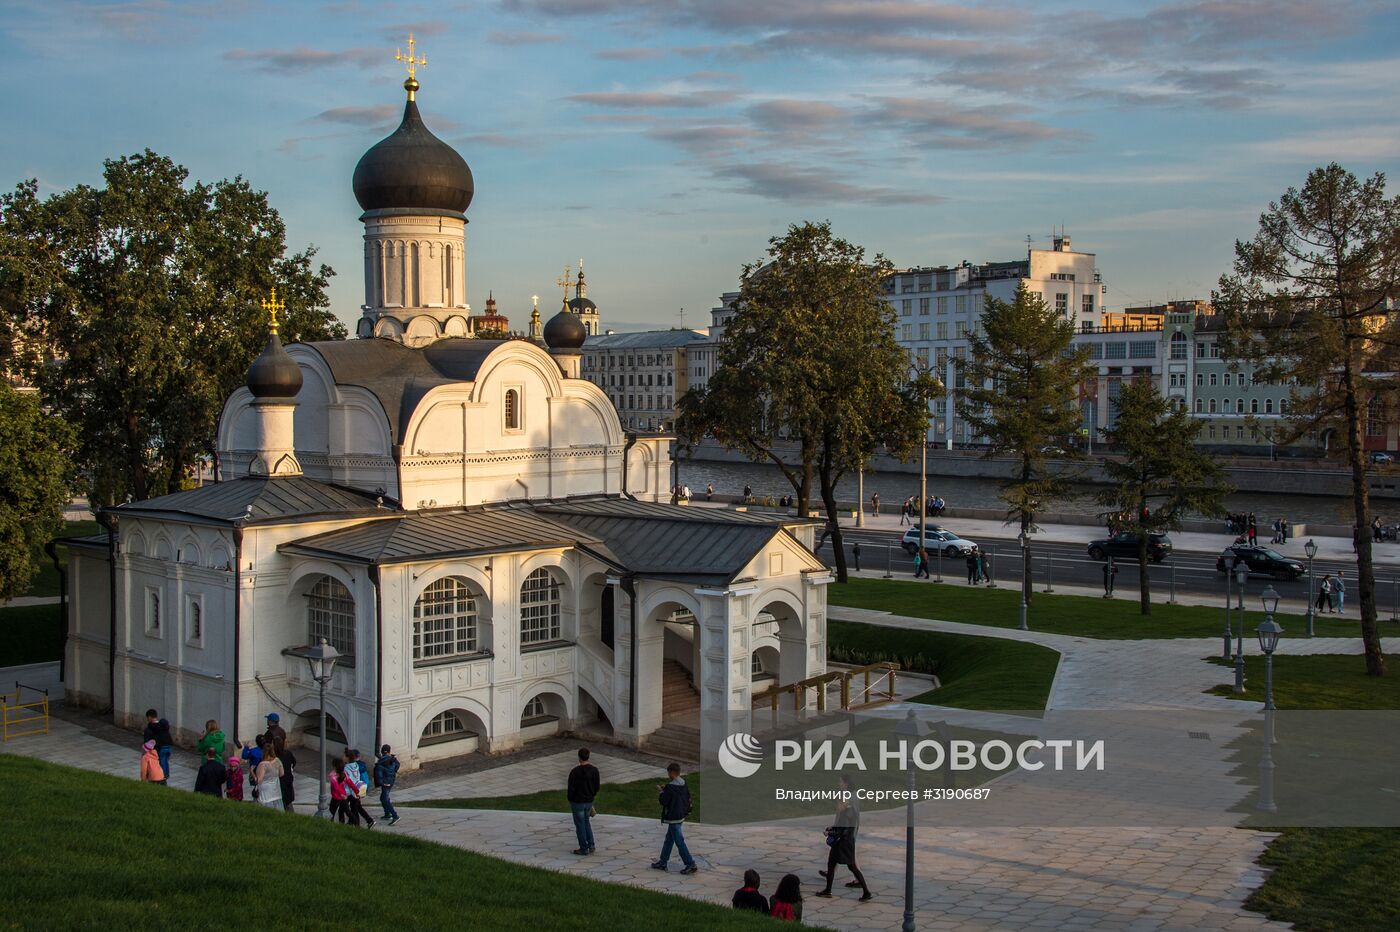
[[1308, 302], [136, 305], [1023, 379], [36, 481], [809, 363], [1159, 475]]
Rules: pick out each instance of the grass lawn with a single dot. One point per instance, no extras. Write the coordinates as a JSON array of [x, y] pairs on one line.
[[45, 582], [29, 634], [976, 672], [85, 850], [1111, 619], [1316, 681], [629, 799]]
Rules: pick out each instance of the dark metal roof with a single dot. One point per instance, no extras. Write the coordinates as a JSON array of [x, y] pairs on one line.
[[274, 374], [700, 551], [400, 376], [630, 508], [565, 331], [253, 500], [413, 537], [413, 169], [646, 339]]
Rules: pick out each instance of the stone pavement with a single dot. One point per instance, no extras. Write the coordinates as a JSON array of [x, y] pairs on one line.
[[534, 776]]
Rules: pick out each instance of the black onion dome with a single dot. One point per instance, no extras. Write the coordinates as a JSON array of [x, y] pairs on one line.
[[413, 169], [564, 331], [582, 304], [274, 374]]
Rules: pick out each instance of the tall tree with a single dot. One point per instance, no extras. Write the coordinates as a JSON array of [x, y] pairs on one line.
[[136, 305], [36, 480], [1023, 379], [1309, 302], [1160, 476], [809, 362]]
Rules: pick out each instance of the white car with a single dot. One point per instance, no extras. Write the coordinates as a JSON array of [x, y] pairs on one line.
[[936, 538]]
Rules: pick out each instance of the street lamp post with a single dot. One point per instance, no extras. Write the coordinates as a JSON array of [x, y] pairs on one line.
[[1241, 573], [321, 659], [1229, 634], [1025, 578], [1268, 633], [860, 495], [909, 729], [1310, 548]]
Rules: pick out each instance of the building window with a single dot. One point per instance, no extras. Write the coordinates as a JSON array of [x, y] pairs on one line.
[[512, 409], [1213, 379], [908, 331], [1115, 350], [330, 614], [1212, 428], [961, 304], [1200, 350], [194, 624], [1088, 305], [923, 331], [1200, 405], [444, 620], [1212, 409], [1227, 378], [1239, 406], [534, 709], [1283, 406], [906, 307], [755, 664], [923, 307], [153, 612], [1268, 406], [539, 608], [1178, 345], [943, 305], [1061, 302], [1142, 349], [1254, 406], [445, 726], [1239, 433]]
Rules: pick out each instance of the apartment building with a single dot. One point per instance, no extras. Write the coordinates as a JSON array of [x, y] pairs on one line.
[[645, 374]]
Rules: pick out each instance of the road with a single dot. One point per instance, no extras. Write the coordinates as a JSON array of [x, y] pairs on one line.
[[1069, 564]]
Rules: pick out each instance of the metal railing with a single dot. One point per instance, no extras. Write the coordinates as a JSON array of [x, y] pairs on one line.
[[871, 676], [19, 718]]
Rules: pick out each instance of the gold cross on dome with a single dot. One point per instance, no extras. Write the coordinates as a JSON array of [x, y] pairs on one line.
[[273, 306], [564, 283], [410, 61]]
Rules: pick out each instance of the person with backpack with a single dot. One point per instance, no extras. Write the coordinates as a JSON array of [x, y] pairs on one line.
[[748, 897], [584, 781], [212, 775], [158, 730], [787, 899], [386, 773], [341, 791], [675, 807], [358, 778]]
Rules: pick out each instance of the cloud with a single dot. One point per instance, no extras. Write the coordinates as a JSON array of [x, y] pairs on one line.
[[359, 116], [939, 123], [714, 77], [398, 32], [498, 140], [304, 58], [630, 54], [520, 37], [635, 100], [800, 116], [703, 140], [813, 185]]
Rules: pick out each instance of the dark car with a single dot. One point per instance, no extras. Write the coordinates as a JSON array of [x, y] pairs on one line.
[[1124, 546], [1262, 560]]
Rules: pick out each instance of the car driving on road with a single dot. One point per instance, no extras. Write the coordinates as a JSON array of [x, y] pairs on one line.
[[936, 538], [1124, 546], [1263, 560]]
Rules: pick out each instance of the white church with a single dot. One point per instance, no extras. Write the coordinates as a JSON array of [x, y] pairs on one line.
[[465, 520]]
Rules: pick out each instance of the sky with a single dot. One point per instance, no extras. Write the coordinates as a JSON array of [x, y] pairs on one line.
[[664, 141]]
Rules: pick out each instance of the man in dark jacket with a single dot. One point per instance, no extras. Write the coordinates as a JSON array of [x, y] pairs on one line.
[[211, 776], [748, 897], [583, 790], [386, 772], [158, 730], [275, 729], [675, 806]]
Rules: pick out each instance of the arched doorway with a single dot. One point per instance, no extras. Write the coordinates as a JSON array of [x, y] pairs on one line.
[[451, 733], [306, 732]]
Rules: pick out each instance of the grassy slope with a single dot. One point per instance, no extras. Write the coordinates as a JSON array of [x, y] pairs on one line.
[[976, 672], [637, 798], [1112, 619], [1316, 681], [85, 850], [29, 634]]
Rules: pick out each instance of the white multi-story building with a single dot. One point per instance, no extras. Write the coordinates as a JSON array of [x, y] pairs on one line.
[[645, 374], [937, 308]]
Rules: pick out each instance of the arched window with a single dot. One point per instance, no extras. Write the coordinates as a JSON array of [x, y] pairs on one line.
[[330, 614], [444, 620], [539, 608], [512, 409], [1268, 406], [444, 727], [1200, 405], [1283, 406], [1178, 345], [1212, 406], [1254, 406], [1239, 406]]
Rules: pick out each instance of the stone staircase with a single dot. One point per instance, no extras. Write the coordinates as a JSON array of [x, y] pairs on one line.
[[679, 735]]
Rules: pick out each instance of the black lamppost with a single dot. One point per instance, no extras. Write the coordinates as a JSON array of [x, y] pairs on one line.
[[1025, 581], [1229, 634], [1310, 548], [909, 730], [1268, 633], [1241, 574], [321, 659]]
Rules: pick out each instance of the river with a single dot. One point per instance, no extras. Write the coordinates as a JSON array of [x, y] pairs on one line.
[[730, 479]]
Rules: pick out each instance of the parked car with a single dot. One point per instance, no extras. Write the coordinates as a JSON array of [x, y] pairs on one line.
[[1382, 459], [1263, 560], [936, 538], [1124, 546]]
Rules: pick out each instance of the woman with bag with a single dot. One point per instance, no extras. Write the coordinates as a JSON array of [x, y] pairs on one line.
[[340, 791], [841, 842], [268, 777]]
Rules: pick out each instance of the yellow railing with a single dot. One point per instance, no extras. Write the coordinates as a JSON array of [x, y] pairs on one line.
[[871, 675], [19, 718]]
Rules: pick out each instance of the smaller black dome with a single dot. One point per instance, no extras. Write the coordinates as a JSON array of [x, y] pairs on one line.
[[274, 374], [564, 332], [582, 304]]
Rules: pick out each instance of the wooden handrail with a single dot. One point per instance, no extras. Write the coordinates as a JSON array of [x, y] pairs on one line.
[[820, 682]]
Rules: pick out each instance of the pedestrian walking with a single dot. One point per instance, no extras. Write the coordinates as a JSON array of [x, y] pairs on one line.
[[709, 492], [921, 564], [1275, 539], [358, 778], [984, 566], [787, 899], [268, 777], [905, 513], [234, 788], [274, 729], [212, 775], [841, 842], [288, 761], [1339, 591], [675, 807], [151, 770], [1110, 578], [212, 740], [158, 730], [1253, 530], [386, 774], [748, 493], [1283, 530], [340, 793], [748, 897], [1324, 594], [974, 567], [875, 504], [583, 790]]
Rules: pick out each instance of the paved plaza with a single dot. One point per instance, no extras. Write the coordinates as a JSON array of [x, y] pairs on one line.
[[967, 878]]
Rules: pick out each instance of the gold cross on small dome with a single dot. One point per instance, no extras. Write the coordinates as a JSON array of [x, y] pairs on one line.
[[564, 283], [273, 307], [412, 63]]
